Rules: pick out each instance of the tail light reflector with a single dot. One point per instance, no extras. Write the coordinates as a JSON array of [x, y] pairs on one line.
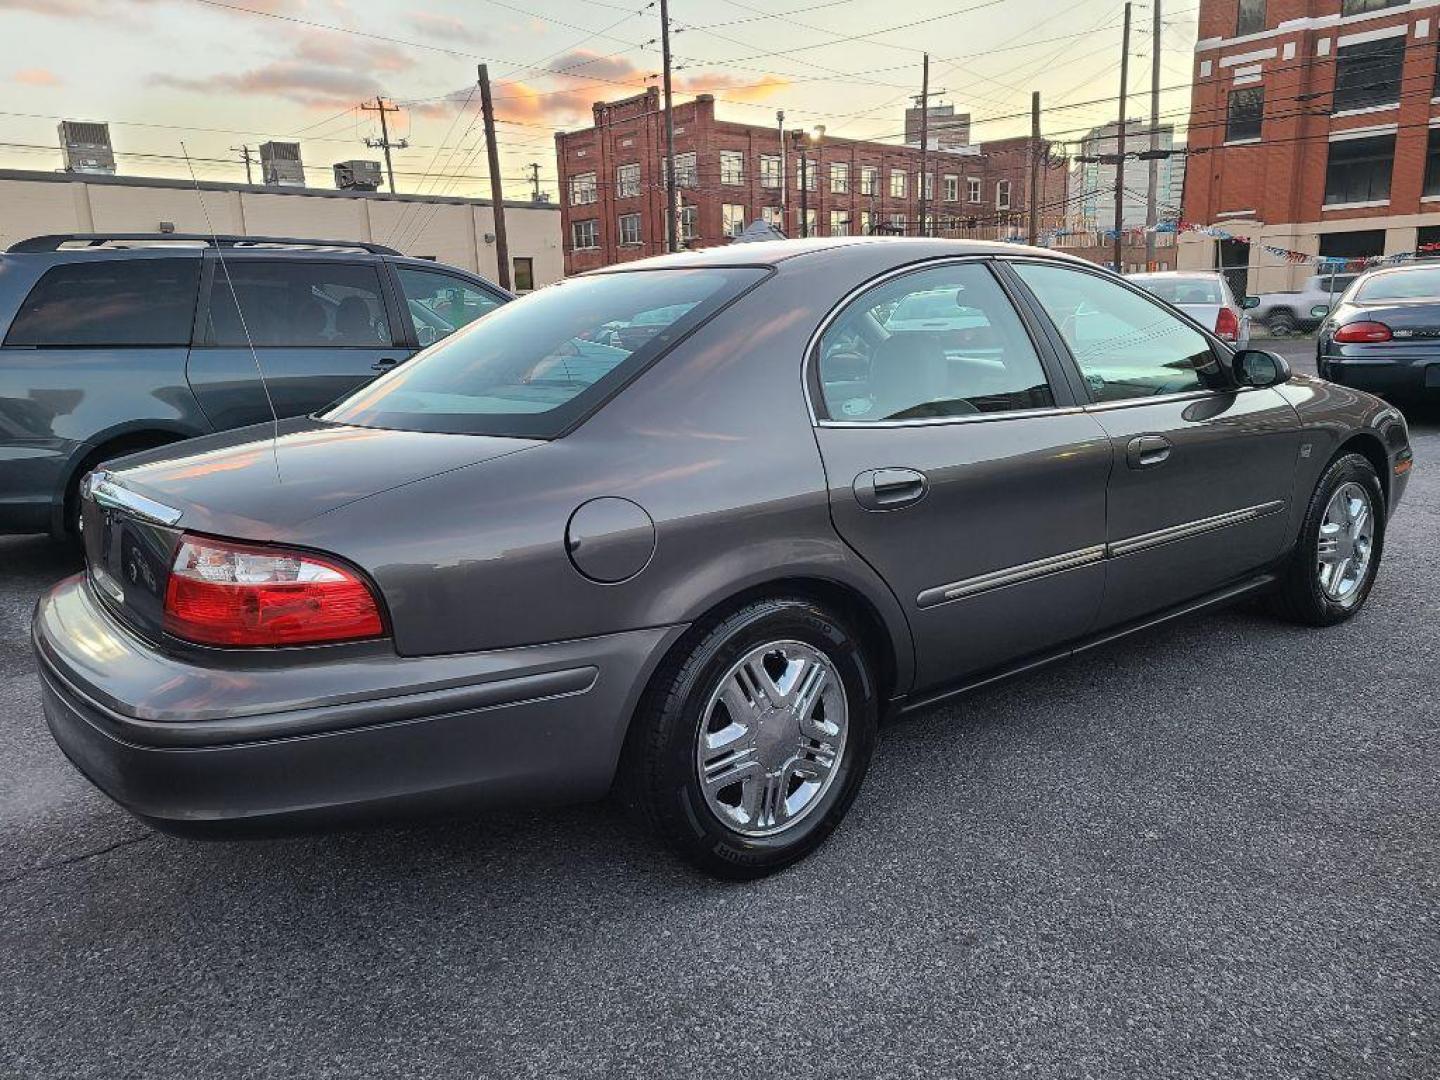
[[1357, 333], [224, 593], [1227, 326]]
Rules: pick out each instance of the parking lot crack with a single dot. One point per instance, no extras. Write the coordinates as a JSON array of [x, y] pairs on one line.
[[84, 856]]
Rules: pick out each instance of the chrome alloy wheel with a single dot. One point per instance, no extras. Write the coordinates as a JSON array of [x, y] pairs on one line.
[[1347, 536], [771, 739]]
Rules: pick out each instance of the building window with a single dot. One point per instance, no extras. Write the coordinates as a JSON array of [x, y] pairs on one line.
[[582, 189], [585, 235], [869, 180], [1359, 7], [840, 178], [772, 217], [689, 222], [897, 222], [685, 172], [897, 183], [972, 189], [1432, 163], [1358, 170], [732, 218], [1368, 74], [627, 181], [1243, 113], [928, 184], [812, 222], [1002, 194], [769, 171], [629, 229], [523, 273], [1251, 19], [839, 223], [805, 171], [732, 167], [867, 223], [952, 189]]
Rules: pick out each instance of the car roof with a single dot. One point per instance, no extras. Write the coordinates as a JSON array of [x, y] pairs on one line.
[[1211, 274]]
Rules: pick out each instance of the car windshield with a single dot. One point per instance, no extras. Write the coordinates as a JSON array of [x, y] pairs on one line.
[[536, 366], [1182, 290], [1405, 285]]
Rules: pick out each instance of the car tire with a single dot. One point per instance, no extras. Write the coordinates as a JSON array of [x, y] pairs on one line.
[[1281, 324], [1308, 592], [766, 817]]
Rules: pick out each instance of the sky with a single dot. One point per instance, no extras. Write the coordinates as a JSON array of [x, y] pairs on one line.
[[200, 77]]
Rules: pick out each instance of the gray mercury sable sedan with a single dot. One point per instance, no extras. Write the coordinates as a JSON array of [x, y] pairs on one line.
[[691, 527]]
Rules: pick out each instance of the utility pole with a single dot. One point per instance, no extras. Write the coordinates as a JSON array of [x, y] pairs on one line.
[[497, 187], [1152, 191], [804, 184], [384, 143], [1120, 148], [534, 167], [924, 137], [1034, 167], [784, 200], [672, 228], [248, 157]]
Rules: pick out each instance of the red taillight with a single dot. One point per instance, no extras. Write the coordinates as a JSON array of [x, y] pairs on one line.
[[223, 593], [1358, 333], [1227, 326]]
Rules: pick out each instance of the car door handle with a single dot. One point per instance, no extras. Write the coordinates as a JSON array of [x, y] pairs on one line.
[[1147, 451], [889, 489], [385, 363]]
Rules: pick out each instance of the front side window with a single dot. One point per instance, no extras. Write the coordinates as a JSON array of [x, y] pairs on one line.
[[298, 305], [439, 303], [627, 181], [732, 167], [941, 342], [869, 180], [1125, 345], [585, 234], [541, 364], [629, 229], [840, 178], [769, 171], [110, 302], [582, 189], [897, 183], [1358, 170], [1244, 112], [1251, 17], [1367, 75]]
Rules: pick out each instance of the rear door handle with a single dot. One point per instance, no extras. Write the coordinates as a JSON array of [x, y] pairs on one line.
[[1147, 451], [385, 363], [890, 489]]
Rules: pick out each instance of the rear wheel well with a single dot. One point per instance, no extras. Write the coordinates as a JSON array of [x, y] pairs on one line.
[[130, 443]]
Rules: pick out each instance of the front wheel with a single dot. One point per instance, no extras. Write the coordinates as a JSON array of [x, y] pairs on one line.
[[1334, 564], [752, 744]]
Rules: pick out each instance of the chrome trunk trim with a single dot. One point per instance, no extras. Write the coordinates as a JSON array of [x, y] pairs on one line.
[[111, 495]]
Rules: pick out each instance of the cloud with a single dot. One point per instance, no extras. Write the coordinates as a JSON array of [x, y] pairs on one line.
[[108, 10], [36, 77], [446, 28]]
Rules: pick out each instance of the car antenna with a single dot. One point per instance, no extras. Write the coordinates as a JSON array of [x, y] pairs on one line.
[[244, 326]]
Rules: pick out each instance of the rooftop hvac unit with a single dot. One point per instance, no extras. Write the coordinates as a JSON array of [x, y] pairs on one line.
[[86, 147], [357, 175], [280, 164]]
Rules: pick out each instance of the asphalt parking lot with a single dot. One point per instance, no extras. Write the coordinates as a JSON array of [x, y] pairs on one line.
[[1213, 851]]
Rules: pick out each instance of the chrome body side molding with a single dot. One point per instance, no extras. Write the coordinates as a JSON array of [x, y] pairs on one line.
[[1187, 529]]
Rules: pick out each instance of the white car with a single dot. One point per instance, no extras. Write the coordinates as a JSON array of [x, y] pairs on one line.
[[1206, 297]]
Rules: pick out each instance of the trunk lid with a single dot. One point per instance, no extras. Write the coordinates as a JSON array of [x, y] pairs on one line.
[[245, 485]]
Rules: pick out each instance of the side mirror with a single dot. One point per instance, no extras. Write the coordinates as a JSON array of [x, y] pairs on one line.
[[1319, 311], [1249, 303], [1257, 367]]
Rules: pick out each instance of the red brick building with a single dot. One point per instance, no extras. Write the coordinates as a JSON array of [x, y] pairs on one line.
[[1315, 127], [730, 175]]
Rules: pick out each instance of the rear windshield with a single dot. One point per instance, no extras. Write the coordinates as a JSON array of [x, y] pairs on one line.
[[1196, 290], [536, 366], [1406, 285]]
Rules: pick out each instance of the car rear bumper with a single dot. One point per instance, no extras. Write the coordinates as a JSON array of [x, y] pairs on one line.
[[266, 747], [1399, 375]]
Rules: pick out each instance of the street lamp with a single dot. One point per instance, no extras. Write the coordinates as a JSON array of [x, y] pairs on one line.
[[815, 135]]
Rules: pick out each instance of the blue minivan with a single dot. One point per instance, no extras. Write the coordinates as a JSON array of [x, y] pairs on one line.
[[111, 344]]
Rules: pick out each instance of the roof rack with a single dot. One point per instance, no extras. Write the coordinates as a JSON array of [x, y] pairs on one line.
[[103, 241]]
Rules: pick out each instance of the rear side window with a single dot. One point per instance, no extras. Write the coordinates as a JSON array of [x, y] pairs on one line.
[[297, 304], [113, 302], [935, 343], [535, 366]]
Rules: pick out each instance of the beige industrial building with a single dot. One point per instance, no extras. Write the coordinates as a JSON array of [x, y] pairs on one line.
[[453, 230]]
